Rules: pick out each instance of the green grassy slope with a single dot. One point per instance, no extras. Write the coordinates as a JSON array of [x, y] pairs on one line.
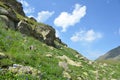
[[46, 59]]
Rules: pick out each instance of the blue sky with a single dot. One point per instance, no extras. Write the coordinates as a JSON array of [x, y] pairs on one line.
[[92, 27]]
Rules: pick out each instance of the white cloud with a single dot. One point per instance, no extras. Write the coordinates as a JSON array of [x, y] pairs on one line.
[[44, 15], [41, 16], [65, 19], [24, 3], [27, 8], [86, 36], [57, 33]]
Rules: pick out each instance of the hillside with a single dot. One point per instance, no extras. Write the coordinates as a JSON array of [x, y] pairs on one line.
[[30, 51], [113, 54]]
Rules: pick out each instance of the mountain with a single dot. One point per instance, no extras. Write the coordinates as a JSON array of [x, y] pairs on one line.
[[113, 54], [30, 51]]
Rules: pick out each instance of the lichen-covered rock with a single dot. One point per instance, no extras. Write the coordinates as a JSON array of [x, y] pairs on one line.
[[64, 65], [14, 4], [9, 13], [8, 17], [24, 28], [47, 32], [70, 61], [67, 75], [20, 69], [43, 33], [7, 22]]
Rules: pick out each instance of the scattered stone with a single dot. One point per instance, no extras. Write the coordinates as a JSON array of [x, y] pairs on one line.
[[49, 55], [20, 69], [67, 75], [114, 79], [79, 78], [52, 48], [69, 61], [64, 65], [77, 56], [90, 62], [104, 64], [31, 47], [2, 55]]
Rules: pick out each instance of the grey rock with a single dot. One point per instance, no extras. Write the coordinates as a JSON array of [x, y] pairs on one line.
[[9, 13], [20, 69], [47, 32], [24, 28], [14, 4], [7, 22]]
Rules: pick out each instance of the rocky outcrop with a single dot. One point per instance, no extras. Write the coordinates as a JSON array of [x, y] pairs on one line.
[[60, 42], [24, 28], [29, 26], [47, 32], [43, 33], [9, 17], [14, 5]]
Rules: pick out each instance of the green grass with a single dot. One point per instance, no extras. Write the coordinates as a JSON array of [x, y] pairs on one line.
[[16, 47]]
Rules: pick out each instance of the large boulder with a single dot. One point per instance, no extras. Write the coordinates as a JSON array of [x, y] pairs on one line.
[[24, 28], [9, 17], [9, 13], [7, 22], [14, 4], [47, 32], [43, 33]]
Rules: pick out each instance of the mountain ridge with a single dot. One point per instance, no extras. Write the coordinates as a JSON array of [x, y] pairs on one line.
[[113, 54]]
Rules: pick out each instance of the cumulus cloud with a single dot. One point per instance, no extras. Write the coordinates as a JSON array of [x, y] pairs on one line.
[[86, 36], [27, 8], [65, 19], [44, 15]]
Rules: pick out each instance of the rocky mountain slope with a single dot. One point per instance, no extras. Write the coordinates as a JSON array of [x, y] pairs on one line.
[[30, 51], [113, 54]]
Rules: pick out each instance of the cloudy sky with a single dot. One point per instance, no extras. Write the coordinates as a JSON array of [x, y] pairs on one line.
[[92, 27]]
